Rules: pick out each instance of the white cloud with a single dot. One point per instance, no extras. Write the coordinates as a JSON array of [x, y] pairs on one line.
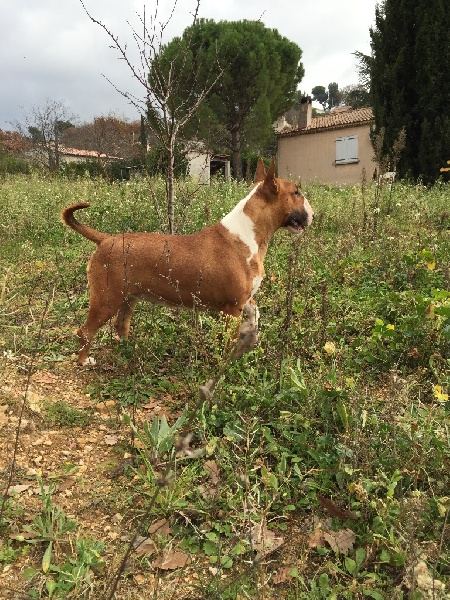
[[50, 48]]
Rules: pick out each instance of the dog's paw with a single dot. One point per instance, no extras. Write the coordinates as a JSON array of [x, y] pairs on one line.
[[89, 362]]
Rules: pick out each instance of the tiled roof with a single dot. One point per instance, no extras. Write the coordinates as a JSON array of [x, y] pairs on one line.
[[343, 116], [83, 153]]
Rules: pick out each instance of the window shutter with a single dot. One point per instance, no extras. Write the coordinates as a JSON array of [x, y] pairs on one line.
[[352, 148], [346, 149], [340, 150]]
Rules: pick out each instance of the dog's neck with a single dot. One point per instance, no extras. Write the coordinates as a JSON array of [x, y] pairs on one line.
[[245, 222]]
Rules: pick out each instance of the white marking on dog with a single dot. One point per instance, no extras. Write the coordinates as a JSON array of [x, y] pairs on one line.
[[89, 362], [256, 283], [309, 210], [239, 224]]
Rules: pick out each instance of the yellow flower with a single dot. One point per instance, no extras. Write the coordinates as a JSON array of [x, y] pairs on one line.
[[390, 326], [438, 394], [329, 348], [431, 265]]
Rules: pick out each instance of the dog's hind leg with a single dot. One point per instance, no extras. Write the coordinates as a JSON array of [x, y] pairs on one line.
[[122, 322], [98, 315]]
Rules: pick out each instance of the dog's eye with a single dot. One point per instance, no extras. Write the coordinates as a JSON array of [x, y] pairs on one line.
[[297, 192]]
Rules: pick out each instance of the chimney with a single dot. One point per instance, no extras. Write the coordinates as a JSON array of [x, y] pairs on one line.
[[305, 116]]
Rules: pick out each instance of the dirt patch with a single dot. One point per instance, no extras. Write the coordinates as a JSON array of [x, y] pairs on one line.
[[86, 463]]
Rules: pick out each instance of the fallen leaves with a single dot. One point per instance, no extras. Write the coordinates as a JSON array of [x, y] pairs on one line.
[[17, 489], [66, 484], [160, 527], [264, 541], [144, 546], [105, 408], [340, 541], [283, 575], [111, 440], [329, 348], [171, 559], [34, 401]]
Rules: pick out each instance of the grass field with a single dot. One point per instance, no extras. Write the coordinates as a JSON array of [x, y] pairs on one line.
[[320, 469]]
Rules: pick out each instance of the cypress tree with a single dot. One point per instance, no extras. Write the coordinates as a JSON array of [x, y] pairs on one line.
[[410, 86]]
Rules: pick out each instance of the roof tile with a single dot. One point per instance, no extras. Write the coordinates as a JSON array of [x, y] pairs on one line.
[[338, 118]]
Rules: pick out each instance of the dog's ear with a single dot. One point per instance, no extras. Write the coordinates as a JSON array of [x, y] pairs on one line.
[[260, 172], [270, 182]]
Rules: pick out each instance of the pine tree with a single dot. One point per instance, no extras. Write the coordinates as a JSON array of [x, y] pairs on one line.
[[261, 72], [410, 86]]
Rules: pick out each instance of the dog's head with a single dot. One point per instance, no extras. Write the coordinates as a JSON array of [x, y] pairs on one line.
[[292, 209]]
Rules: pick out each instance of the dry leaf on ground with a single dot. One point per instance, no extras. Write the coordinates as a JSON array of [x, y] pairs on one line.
[[34, 402], [210, 490], [23, 535], [171, 560], [66, 484], [161, 527], [316, 538], [17, 489], [340, 541], [282, 575], [264, 541], [144, 546], [44, 377], [140, 578], [111, 440]]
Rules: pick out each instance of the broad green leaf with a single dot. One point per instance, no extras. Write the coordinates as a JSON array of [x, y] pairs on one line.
[[210, 548], [385, 556], [164, 428], [273, 481], [47, 558], [51, 587], [342, 412], [360, 555], [181, 419], [29, 573], [226, 562], [350, 565]]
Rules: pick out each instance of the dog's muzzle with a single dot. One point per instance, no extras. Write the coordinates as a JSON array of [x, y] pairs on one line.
[[297, 221]]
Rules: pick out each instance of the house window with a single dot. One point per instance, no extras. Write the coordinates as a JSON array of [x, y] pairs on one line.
[[347, 150]]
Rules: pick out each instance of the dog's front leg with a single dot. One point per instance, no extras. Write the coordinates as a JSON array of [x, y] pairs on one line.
[[248, 331], [248, 338]]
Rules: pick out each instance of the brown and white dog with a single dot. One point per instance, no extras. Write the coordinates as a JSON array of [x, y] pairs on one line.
[[219, 268]]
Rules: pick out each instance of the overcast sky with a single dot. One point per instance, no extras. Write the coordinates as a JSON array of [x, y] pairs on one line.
[[49, 49]]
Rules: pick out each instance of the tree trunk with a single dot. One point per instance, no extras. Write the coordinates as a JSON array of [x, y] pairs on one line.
[[56, 150], [170, 185], [236, 160]]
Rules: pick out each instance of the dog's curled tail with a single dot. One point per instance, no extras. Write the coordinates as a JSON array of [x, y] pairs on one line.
[[89, 233]]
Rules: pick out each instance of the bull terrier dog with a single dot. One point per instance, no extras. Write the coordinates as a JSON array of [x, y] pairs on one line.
[[219, 268]]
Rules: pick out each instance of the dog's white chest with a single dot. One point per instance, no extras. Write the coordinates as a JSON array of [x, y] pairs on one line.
[[240, 225], [256, 283]]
